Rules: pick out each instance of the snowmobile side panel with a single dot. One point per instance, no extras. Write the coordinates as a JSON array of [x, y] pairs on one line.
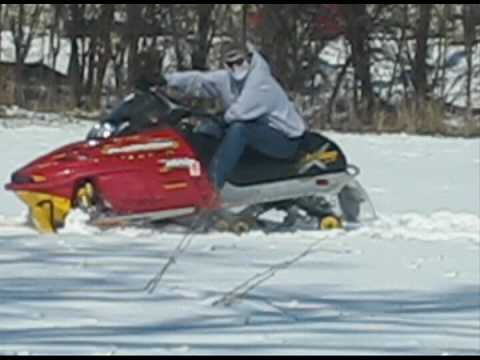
[[111, 221], [326, 185]]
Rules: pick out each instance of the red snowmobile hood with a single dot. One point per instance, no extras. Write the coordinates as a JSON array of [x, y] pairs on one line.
[[87, 157]]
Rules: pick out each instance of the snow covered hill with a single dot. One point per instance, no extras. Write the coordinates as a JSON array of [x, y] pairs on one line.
[[408, 284]]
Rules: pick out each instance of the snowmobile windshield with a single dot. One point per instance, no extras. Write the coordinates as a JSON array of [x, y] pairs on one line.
[[138, 112]]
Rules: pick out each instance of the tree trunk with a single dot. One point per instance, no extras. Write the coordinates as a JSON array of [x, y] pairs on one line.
[[469, 32], [74, 72], [105, 52], [177, 36], [92, 53], [358, 36], [133, 22], [74, 69], [119, 66], [399, 66], [245, 9], [423, 31], [23, 42], [2, 21], [205, 26], [55, 44], [275, 32]]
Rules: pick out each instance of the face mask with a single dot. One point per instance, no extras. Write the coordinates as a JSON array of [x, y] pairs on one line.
[[240, 72]]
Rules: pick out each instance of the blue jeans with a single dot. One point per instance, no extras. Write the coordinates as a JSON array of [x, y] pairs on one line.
[[256, 135]]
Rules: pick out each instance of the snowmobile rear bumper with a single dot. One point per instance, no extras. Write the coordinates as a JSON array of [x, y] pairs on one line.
[[47, 212]]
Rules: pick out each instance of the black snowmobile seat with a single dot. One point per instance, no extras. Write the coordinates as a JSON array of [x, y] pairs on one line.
[[256, 168]]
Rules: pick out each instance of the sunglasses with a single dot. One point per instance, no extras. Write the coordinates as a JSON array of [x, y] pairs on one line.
[[232, 64]]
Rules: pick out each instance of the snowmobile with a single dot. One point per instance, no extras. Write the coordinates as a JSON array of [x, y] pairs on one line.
[[145, 165]]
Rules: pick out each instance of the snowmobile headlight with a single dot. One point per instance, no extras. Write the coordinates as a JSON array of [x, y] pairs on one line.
[[38, 179], [18, 179], [26, 180]]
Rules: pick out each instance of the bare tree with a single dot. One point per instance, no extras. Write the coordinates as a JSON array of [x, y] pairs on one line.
[[289, 40], [291, 36], [176, 20], [3, 15], [422, 36], [205, 32], [103, 51], [23, 28], [399, 66], [55, 42], [358, 21], [245, 10], [56, 28], [469, 35], [132, 36], [119, 53], [276, 28], [75, 21], [192, 28]]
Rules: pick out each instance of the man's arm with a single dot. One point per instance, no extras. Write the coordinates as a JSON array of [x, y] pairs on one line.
[[198, 84]]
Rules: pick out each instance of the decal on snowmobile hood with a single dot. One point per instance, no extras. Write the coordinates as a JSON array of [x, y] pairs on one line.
[[153, 146]]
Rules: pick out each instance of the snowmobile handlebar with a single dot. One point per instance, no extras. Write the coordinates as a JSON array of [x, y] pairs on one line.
[[176, 106]]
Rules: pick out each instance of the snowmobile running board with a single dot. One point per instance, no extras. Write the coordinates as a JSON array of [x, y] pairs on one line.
[[110, 221]]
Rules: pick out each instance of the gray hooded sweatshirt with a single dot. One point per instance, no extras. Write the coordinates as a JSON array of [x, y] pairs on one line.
[[259, 96]]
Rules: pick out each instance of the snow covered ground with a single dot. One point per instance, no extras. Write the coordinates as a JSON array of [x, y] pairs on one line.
[[408, 284]]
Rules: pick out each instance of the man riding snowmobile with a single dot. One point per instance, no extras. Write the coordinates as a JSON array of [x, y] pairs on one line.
[[258, 113], [154, 161]]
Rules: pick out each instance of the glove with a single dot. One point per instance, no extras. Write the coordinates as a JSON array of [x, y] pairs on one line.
[[219, 116], [144, 83]]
